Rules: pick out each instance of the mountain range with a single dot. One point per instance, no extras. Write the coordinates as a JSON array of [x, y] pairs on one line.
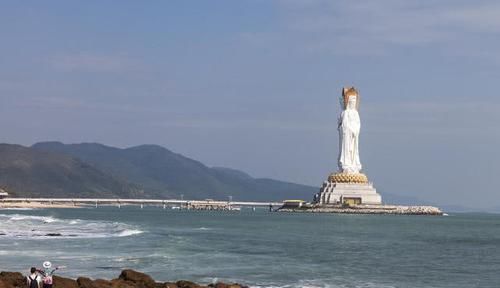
[[54, 169]]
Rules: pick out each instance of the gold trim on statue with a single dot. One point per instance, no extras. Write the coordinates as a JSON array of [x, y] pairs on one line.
[[347, 178]]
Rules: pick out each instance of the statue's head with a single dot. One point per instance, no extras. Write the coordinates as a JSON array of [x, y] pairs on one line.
[[351, 98], [351, 103]]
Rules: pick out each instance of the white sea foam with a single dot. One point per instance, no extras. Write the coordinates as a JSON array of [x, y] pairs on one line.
[[17, 217], [126, 233], [20, 226]]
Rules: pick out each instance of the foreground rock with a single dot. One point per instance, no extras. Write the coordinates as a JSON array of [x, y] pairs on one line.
[[127, 279], [367, 209]]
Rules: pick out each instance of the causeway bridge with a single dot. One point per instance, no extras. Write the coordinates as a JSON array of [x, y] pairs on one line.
[[156, 202]]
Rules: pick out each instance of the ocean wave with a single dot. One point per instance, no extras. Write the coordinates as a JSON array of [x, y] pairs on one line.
[[204, 228], [43, 219], [19, 226], [126, 233]]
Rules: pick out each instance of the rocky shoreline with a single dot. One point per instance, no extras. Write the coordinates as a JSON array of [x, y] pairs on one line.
[[127, 279], [366, 209]]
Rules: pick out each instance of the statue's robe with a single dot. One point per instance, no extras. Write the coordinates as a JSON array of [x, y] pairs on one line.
[[349, 127]]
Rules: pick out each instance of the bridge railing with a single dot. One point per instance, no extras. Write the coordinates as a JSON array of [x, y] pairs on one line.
[[137, 201]]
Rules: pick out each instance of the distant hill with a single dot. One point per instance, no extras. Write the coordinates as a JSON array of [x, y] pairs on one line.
[[165, 174], [27, 172]]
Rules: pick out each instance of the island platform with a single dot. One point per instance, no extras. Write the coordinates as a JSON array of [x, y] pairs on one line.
[[362, 209]]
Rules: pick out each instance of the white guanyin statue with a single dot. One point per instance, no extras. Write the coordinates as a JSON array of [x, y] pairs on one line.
[[349, 126], [348, 186]]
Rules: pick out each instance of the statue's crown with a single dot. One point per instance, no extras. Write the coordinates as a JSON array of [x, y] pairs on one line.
[[347, 92]]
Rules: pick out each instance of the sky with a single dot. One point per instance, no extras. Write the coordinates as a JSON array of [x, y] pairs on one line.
[[255, 85]]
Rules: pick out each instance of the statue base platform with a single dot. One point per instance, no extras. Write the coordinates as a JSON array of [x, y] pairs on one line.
[[347, 193]]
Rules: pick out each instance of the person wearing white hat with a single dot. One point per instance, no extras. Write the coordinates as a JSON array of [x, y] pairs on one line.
[[47, 273]]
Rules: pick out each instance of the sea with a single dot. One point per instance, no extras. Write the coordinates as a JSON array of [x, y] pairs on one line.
[[257, 248]]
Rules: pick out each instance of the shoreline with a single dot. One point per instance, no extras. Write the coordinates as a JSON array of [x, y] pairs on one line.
[[366, 209], [127, 279]]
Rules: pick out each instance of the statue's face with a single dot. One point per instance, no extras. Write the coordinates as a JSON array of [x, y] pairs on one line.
[[351, 104]]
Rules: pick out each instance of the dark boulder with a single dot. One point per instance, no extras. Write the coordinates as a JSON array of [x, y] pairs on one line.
[[100, 283], [224, 285], [141, 280], [61, 282], [84, 282], [188, 284], [119, 283], [167, 285], [13, 279], [5, 285]]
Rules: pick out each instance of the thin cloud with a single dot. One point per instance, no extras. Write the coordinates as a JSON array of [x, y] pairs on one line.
[[481, 18], [88, 62], [435, 118], [57, 102], [370, 27]]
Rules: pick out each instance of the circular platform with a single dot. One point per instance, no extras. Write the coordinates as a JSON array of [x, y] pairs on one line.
[[348, 178]]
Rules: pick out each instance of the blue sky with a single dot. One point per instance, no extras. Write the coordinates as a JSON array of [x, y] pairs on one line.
[[254, 85]]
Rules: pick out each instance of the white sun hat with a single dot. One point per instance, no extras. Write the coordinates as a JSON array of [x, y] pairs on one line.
[[47, 264]]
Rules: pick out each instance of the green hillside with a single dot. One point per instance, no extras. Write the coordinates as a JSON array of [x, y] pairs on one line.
[[163, 173], [27, 172]]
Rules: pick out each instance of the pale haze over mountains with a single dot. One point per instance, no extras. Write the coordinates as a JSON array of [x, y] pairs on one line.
[[254, 86]]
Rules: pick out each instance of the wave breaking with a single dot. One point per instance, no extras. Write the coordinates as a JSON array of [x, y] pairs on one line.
[[21, 226]]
